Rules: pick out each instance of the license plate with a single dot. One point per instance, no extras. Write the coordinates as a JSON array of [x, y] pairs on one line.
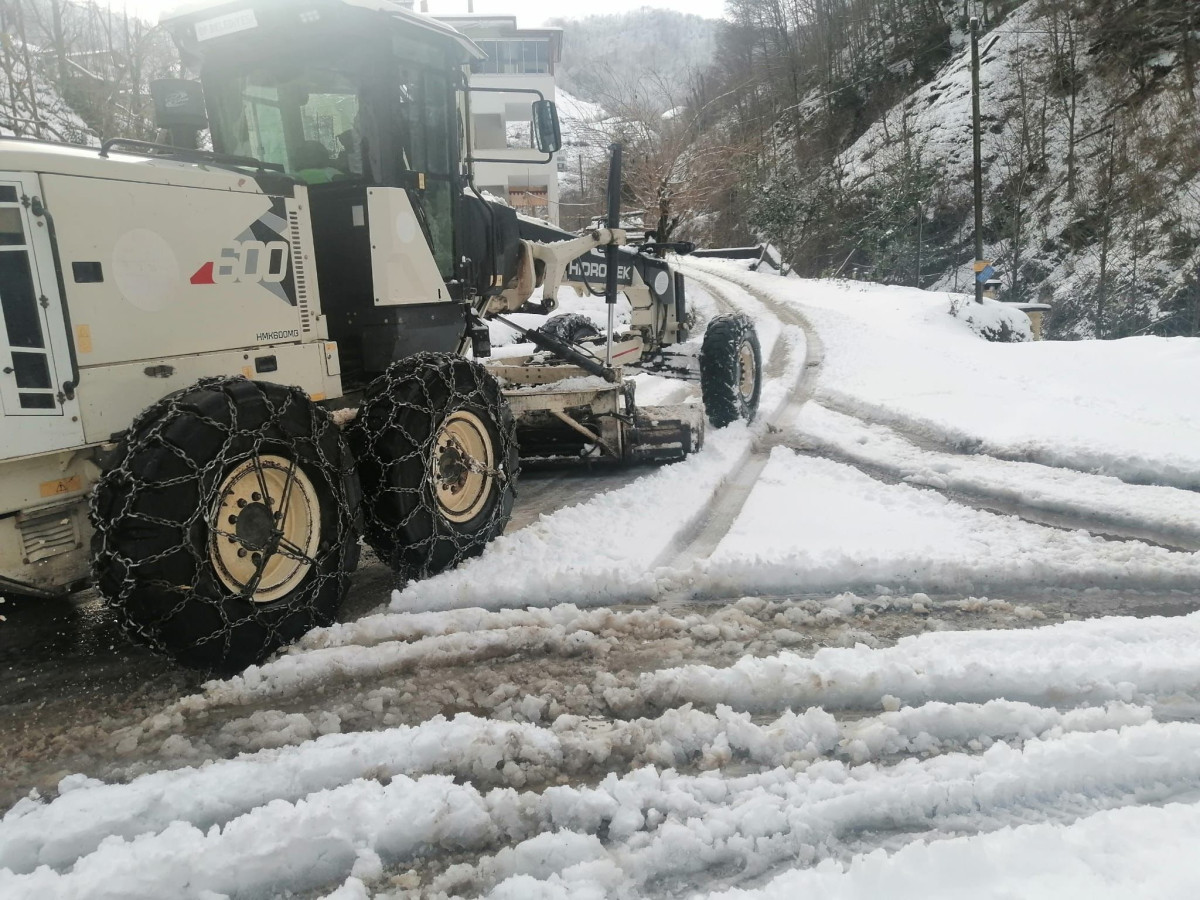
[[230, 23]]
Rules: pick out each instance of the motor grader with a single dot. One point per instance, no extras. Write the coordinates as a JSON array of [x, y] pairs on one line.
[[220, 368]]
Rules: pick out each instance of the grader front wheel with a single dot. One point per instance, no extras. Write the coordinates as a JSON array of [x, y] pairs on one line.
[[730, 370], [436, 447], [226, 524]]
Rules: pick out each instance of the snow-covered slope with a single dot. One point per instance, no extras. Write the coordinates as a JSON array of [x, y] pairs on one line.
[[32, 107], [648, 53], [583, 136], [1123, 204]]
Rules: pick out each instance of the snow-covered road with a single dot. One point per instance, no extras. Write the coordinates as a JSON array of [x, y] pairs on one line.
[[812, 658]]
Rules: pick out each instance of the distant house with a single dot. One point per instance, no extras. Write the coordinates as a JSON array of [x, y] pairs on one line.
[[518, 59]]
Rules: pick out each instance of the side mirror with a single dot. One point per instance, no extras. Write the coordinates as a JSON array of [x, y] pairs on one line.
[[547, 134]]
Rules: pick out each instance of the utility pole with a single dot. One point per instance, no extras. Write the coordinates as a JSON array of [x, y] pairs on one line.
[[920, 237], [978, 147]]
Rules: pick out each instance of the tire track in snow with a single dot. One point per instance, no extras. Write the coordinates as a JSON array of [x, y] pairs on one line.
[[931, 436], [641, 828], [306, 818], [995, 502], [701, 537], [541, 675], [783, 431]]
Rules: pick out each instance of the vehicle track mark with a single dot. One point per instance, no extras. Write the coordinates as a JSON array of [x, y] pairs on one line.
[[704, 533], [698, 541]]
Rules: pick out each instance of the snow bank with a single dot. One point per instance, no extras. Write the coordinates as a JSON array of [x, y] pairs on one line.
[[656, 823], [1111, 855], [749, 824]]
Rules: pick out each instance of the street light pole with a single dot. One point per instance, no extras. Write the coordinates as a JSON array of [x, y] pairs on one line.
[[920, 237], [978, 148]]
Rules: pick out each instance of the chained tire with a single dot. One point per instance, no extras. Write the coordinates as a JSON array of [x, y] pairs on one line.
[[730, 370], [570, 327], [226, 523], [437, 453]]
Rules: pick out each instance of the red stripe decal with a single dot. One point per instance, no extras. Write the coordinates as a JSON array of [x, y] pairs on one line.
[[203, 274]]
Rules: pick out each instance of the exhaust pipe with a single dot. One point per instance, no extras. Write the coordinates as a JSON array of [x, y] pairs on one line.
[[610, 252]]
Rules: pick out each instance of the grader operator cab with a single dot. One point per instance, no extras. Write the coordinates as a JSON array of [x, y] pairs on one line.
[[220, 368]]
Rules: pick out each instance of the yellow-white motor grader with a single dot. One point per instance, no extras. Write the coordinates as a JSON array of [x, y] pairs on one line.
[[219, 368]]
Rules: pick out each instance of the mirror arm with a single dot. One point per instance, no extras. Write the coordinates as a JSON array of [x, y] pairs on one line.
[[549, 157], [492, 90], [541, 98]]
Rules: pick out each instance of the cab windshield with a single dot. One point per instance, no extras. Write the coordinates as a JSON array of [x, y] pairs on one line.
[[325, 122], [311, 124]]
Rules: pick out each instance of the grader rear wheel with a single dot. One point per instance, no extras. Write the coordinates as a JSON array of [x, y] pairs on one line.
[[226, 524], [437, 453]]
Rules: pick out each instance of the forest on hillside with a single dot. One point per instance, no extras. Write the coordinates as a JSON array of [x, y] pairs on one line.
[[645, 54], [839, 130], [78, 71]]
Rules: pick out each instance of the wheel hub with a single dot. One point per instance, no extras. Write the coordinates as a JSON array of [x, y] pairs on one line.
[[265, 528], [746, 374], [255, 525], [453, 467], [463, 466]]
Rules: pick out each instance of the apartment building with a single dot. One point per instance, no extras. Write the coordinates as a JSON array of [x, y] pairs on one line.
[[518, 59]]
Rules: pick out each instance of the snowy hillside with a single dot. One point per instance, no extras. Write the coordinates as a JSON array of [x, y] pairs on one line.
[[583, 136], [1093, 190], [31, 106], [647, 53]]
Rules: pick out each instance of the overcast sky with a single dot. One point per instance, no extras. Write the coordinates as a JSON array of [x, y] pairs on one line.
[[528, 12]]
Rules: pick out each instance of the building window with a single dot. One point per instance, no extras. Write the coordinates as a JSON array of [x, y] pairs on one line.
[[513, 58], [488, 131]]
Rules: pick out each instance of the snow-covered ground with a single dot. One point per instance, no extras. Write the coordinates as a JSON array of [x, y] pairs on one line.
[[840, 652], [898, 357]]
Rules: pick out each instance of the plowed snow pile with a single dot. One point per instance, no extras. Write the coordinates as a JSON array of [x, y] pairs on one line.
[[807, 661]]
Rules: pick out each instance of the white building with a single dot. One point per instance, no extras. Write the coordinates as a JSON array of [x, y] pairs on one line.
[[518, 59]]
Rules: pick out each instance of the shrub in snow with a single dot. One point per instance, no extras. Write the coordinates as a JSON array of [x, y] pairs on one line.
[[992, 320]]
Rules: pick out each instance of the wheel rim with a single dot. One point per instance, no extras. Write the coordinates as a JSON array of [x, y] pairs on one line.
[[265, 528], [746, 373], [463, 466]]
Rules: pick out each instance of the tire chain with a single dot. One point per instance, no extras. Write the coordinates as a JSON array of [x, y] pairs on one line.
[[254, 419], [394, 439]]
